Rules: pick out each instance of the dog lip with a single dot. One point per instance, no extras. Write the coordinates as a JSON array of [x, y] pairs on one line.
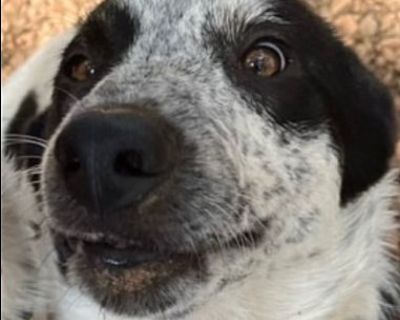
[[96, 237]]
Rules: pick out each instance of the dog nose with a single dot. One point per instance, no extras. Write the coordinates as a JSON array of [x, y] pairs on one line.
[[113, 160]]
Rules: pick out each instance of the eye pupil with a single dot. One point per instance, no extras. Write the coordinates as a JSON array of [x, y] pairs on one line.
[[260, 61], [80, 68], [265, 61]]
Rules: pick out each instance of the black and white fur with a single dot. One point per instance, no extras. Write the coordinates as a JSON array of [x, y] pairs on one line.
[[304, 155]]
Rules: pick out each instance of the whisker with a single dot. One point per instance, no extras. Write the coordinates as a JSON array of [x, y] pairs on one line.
[[24, 136], [12, 142]]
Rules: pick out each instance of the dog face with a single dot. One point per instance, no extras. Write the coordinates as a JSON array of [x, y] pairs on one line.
[[192, 142]]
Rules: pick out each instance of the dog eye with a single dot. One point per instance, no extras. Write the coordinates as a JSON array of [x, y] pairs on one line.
[[265, 59], [80, 68]]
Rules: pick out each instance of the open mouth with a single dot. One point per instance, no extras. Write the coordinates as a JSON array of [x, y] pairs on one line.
[[134, 276], [112, 253], [115, 254]]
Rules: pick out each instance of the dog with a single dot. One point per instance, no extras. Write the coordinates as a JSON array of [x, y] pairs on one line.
[[198, 160]]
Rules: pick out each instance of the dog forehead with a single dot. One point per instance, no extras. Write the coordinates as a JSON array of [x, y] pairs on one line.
[[157, 7], [171, 14], [165, 28]]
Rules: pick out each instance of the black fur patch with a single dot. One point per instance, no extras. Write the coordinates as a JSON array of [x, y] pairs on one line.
[[25, 315], [26, 125], [391, 309], [324, 84], [104, 38], [26, 111]]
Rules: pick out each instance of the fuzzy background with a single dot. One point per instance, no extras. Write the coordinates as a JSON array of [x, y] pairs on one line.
[[371, 27]]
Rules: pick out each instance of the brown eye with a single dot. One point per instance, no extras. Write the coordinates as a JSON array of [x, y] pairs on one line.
[[265, 60], [80, 68]]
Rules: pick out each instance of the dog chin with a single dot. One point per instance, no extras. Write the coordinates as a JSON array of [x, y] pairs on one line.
[[136, 278], [128, 278]]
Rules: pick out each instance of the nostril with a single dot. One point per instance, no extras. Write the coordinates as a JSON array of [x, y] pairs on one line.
[[129, 163]]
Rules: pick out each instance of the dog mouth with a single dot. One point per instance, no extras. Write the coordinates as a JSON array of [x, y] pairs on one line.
[[115, 254], [137, 276]]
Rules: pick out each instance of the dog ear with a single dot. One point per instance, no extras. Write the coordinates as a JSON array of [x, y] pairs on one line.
[[24, 133], [363, 120]]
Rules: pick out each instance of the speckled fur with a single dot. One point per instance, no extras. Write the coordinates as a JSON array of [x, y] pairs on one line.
[[317, 260]]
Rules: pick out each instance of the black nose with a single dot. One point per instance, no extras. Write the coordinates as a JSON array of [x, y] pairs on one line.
[[113, 160]]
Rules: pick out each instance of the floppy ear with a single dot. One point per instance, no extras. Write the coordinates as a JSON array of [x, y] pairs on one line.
[[25, 126], [363, 120]]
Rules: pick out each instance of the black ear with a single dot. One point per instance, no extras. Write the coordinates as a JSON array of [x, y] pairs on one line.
[[24, 133], [363, 119], [359, 107]]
